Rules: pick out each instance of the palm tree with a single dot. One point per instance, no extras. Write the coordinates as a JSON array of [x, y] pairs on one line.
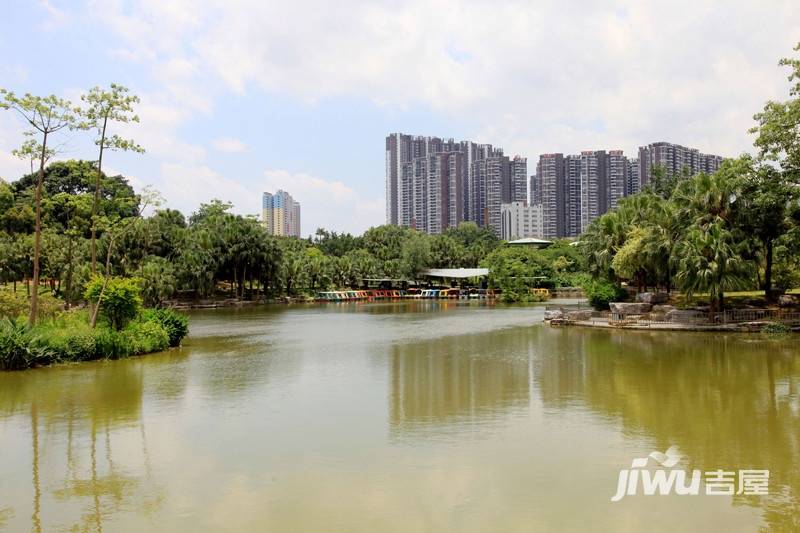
[[711, 261]]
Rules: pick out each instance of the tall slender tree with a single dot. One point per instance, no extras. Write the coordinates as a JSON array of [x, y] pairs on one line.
[[46, 115], [102, 108]]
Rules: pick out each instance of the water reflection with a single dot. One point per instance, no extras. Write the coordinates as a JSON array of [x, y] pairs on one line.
[[729, 402], [76, 415], [419, 416], [452, 380]]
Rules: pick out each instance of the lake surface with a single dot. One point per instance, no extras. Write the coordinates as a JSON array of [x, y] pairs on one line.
[[417, 416]]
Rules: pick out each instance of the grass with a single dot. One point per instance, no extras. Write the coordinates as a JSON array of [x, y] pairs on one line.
[[68, 338]]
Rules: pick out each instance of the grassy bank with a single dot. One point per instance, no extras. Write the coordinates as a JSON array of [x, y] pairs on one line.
[[69, 338]]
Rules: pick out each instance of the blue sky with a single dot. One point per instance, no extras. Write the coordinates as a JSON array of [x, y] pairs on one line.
[[242, 96]]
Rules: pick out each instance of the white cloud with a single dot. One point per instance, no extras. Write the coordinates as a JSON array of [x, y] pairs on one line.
[[55, 17], [11, 137], [329, 204], [185, 186], [229, 144], [530, 76]]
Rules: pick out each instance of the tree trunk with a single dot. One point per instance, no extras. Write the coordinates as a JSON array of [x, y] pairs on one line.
[[37, 239], [768, 272], [96, 201], [68, 281], [96, 308]]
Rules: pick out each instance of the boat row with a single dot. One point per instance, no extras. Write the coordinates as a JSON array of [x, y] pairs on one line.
[[412, 293]]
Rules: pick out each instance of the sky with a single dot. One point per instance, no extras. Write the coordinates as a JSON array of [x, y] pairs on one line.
[[244, 96]]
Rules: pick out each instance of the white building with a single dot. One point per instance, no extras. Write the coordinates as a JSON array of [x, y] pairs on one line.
[[519, 220]]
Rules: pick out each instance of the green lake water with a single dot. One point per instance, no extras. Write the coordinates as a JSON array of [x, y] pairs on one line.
[[400, 417]]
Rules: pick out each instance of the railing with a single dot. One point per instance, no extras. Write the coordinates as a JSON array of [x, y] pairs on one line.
[[700, 318], [677, 316]]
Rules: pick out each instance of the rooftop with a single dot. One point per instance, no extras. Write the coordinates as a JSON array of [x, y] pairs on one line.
[[530, 241], [456, 272]]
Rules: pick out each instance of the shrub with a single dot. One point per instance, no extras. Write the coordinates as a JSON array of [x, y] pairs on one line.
[[17, 352], [175, 324], [601, 292], [120, 301], [66, 343], [16, 304], [144, 337], [67, 338], [110, 345], [776, 328]]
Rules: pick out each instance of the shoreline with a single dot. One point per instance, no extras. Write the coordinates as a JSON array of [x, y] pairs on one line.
[[743, 327]]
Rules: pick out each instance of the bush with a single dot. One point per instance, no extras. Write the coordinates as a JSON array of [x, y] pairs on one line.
[[601, 292], [110, 345], [517, 270], [120, 301], [17, 352], [67, 338], [175, 324], [776, 328], [145, 337], [16, 304]]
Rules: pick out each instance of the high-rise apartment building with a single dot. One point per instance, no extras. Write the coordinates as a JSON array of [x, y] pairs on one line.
[[550, 172], [616, 178], [519, 220], [519, 179], [675, 160], [576, 189], [280, 214], [632, 181], [433, 184], [536, 190]]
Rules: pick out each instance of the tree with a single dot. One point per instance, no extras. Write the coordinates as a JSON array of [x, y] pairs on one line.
[[119, 299], [764, 212], [630, 262], [711, 261], [477, 242], [415, 255], [446, 252], [515, 270], [772, 191], [158, 281], [114, 105], [47, 116]]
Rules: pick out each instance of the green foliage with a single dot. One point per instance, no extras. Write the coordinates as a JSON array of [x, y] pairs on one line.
[[776, 328], [144, 337], [601, 292], [175, 324], [158, 281], [17, 352], [16, 304], [515, 270], [68, 340], [119, 298], [415, 255]]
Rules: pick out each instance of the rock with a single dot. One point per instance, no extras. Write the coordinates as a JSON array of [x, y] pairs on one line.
[[755, 302], [630, 308], [553, 315], [788, 300], [579, 315], [652, 297], [663, 308]]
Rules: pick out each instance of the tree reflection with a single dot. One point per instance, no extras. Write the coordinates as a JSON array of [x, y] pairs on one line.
[[727, 402], [79, 412], [456, 380]]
